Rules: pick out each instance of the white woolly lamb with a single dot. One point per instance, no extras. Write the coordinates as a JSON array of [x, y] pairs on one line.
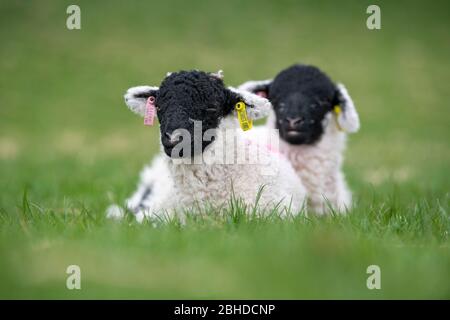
[[219, 167]]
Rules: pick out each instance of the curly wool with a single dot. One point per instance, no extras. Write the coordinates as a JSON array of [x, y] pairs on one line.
[[188, 94], [177, 186], [319, 166], [304, 79]]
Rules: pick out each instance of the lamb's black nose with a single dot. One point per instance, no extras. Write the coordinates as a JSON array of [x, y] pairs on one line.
[[293, 123]]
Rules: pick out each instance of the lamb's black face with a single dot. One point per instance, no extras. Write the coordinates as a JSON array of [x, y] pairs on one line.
[[301, 96], [299, 118], [186, 99]]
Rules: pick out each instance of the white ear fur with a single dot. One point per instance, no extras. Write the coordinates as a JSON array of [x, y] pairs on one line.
[[257, 107], [218, 74], [253, 85], [348, 118], [135, 103]]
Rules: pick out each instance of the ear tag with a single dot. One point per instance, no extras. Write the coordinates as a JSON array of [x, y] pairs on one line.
[[150, 111], [337, 111], [244, 121]]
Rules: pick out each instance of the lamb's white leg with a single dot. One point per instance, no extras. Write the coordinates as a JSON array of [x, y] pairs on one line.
[[152, 195], [318, 204], [151, 202], [336, 197], [138, 200], [343, 195], [115, 211], [136, 203]]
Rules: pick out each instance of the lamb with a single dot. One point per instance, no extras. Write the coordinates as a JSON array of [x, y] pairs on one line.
[[313, 116], [196, 113]]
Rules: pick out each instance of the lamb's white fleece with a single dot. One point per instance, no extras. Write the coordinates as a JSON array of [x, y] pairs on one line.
[[175, 186], [318, 166]]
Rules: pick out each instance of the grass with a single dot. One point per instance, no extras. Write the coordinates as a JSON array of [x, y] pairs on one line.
[[69, 148]]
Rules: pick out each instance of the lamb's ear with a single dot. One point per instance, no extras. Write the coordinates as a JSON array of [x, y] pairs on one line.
[[257, 107], [261, 87], [218, 74], [136, 98], [346, 114]]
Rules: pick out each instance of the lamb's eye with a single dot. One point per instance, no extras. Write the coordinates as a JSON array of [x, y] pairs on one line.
[[211, 110], [312, 121]]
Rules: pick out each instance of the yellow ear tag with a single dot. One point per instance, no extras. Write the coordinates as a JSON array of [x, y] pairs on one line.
[[337, 110], [244, 121]]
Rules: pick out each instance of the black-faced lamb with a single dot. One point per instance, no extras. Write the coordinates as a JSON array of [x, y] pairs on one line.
[[313, 116]]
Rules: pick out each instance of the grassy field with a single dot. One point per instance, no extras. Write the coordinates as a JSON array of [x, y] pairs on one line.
[[69, 148]]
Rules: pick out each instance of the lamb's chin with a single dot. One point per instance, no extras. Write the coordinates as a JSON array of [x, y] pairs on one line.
[[296, 140], [293, 137]]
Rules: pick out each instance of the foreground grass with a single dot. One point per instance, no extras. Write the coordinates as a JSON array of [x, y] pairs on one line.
[[229, 253]]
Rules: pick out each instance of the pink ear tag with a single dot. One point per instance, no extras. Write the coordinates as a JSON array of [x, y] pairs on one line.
[[150, 111], [261, 94]]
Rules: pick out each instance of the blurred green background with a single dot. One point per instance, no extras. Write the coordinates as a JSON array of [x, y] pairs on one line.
[[69, 147]]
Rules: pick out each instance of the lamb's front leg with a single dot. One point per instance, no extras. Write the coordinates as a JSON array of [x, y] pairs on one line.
[[334, 196], [343, 195], [136, 203], [155, 191], [154, 203], [142, 203], [158, 209], [140, 199]]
